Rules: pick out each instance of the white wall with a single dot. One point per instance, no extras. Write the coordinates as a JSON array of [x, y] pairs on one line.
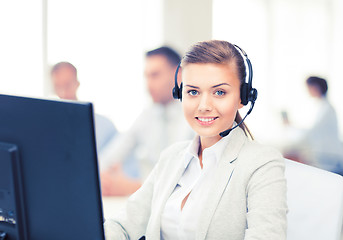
[[186, 22], [286, 41], [21, 65], [106, 41]]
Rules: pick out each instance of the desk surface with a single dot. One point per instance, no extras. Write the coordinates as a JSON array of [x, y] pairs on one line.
[[111, 205]]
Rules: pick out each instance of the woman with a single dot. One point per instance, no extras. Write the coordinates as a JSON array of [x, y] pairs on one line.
[[213, 187]]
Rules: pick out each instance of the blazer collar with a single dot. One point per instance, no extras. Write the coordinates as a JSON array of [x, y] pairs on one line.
[[234, 145], [168, 187], [222, 177], [221, 180]]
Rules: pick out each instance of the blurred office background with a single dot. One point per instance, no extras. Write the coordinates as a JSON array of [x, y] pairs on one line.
[[286, 40]]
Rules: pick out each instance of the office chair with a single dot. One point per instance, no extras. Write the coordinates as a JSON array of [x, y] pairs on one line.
[[315, 203]]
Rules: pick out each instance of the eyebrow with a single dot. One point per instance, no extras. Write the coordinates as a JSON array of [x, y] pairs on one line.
[[191, 86], [220, 85]]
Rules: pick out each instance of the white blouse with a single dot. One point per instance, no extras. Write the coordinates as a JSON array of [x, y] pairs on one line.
[[181, 224]]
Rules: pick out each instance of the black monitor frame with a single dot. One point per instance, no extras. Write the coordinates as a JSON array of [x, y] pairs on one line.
[[48, 154], [12, 217]]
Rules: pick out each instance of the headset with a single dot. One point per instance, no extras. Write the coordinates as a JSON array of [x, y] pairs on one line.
[[248, 93]]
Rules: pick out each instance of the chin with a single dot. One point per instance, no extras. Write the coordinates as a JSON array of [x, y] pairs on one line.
[[208, 134]]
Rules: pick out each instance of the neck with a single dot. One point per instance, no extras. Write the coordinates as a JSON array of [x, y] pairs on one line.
[[200, 156], [206, 142]]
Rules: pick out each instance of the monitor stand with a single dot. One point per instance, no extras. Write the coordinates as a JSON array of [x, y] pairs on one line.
[[12, 217]]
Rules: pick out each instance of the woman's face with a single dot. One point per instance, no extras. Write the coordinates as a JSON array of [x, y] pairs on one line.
[[210, 98]]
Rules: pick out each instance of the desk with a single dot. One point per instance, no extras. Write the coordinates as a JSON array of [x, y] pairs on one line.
[[111, 205]]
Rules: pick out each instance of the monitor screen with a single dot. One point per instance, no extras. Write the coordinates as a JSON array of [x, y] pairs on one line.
[[49, 180]]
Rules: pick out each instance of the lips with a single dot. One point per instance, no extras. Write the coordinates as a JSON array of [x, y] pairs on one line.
[[206, 120]]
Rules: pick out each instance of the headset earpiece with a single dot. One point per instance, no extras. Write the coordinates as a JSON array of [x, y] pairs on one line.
[[180, 91], [244, 94], [177, 91], [248, 93], [252, 95]]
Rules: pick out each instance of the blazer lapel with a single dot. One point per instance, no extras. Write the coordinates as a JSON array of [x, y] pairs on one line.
[[166, 190], [221, 180]]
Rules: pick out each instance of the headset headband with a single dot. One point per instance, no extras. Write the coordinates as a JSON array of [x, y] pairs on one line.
[[248, 63]]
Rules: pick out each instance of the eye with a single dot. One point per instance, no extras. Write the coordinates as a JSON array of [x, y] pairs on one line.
[[219, 93], [193, 92]]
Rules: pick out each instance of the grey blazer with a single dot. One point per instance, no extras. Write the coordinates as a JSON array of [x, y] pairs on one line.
[[247, 201]]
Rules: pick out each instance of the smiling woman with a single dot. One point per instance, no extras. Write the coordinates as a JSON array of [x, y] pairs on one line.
[[213, 187], [211, 99], [218, 55]]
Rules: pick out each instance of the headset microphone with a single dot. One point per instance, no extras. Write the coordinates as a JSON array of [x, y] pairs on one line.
[[248, 93], [226, 132]]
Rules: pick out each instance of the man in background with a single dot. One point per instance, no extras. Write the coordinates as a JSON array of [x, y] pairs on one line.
[[66, 84], [159, 126], [318, 145]]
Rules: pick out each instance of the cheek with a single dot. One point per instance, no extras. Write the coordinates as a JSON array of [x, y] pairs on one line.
[[189, 108], [229, 107], [74, 88]]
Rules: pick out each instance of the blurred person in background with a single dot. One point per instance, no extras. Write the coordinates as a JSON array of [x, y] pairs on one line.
[[159, 126], [66, 84], [319, 145]]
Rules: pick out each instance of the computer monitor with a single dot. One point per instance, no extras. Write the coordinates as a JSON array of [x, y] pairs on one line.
[[49, 180]]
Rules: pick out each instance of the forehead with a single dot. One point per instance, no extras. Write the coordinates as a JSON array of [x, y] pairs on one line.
[[210, 74], [156, 61], [64, 70], [64, 74]]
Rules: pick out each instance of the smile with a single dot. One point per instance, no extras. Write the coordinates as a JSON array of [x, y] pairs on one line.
[[206, 120]]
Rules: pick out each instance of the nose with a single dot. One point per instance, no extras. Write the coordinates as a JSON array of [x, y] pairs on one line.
[[205, 104]]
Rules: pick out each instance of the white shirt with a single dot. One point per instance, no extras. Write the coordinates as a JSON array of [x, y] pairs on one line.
[[155, 129], [181, 224]]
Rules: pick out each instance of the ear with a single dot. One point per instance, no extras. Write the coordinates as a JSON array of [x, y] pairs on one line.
[[240, 105]]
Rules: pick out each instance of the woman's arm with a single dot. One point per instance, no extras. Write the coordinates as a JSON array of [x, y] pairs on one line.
[[132, 221], [266, 202]]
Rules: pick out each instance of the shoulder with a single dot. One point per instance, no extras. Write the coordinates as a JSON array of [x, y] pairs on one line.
[[103, 122], [151, 111], [253, 155], [175, 149], [257, 149], [102, 118], [182, 145], [173, 154], [146, 117], [261, 167]]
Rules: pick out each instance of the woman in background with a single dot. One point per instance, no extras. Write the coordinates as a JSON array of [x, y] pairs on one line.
[[213, 187]]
